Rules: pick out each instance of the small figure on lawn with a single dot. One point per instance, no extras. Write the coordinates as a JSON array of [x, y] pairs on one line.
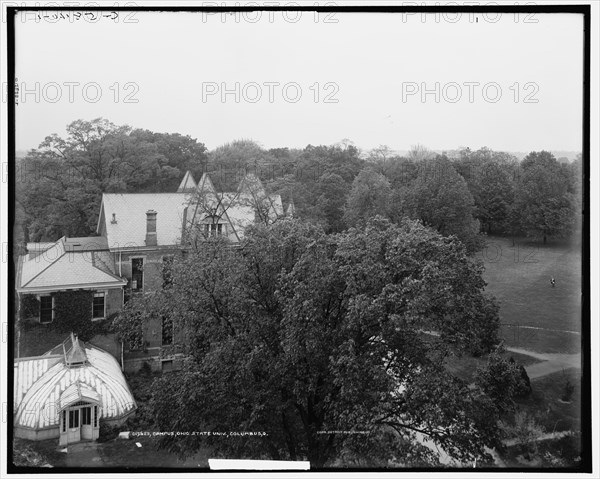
[[553, 282]]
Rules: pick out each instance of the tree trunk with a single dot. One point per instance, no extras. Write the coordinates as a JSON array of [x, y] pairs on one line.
[[544, 238]]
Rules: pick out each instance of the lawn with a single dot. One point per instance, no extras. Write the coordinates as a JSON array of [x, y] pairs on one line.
[[519, 277]]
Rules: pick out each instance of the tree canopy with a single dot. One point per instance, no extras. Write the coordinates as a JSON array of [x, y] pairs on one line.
[[298, 333], [546, 197], [440, 197], [61, 183]]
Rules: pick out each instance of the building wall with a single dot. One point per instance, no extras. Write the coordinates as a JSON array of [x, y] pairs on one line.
[[153, 266], [36, 435], [114, 301], [157, 363], [54, 432]]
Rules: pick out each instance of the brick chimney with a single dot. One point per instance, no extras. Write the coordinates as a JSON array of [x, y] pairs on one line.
[[150, 228]]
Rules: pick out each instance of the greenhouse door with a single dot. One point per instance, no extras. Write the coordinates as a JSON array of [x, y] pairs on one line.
[[86, 423], [74, 431]]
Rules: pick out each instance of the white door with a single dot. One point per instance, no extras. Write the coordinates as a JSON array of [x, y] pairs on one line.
[[86, 422], [73, 428]]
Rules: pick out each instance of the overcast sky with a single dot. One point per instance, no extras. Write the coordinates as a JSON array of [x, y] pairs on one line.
[[505, 83]]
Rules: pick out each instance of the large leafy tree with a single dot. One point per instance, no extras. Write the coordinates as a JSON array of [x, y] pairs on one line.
[[61, 183], [229, 163], [546, 196], [298, 333], [440, 197], [370, 196], [490, 177]]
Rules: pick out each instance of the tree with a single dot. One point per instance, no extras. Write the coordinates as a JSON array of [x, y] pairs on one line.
[[380, 154], [61, 182], [370, 196], [230, 162], [330, 191], [298, 333], [490, 177], [420, 152], [440, 198], [547, 207]]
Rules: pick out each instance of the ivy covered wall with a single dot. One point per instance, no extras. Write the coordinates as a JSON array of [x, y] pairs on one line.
[[29, 307], [72, 313]]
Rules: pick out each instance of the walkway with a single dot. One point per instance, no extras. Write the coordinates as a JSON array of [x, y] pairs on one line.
[[550, 362], [84, 454]]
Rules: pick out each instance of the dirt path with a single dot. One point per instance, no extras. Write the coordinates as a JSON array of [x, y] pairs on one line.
[[84, 454], [550, 362]]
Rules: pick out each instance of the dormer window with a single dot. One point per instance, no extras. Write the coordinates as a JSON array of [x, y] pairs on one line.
[[213, 229], [214, 226]]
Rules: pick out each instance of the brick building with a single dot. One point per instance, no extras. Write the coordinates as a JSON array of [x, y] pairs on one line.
[[138, 235]]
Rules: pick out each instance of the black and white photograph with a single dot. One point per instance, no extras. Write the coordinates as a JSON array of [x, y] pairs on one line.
[[304, 237]]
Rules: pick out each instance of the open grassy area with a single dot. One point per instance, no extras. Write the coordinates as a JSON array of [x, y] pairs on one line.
[[519, 277]]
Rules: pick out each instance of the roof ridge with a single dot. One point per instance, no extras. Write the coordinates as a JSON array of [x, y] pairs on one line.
[[64, 251]]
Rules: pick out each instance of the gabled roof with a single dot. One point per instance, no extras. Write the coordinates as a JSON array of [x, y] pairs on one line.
[[129, 228], [67, 264], [175, 211], [188, 184], [76, 392], [44, 385]]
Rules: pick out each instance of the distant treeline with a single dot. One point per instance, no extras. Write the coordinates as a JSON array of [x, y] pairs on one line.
[[59, 185]]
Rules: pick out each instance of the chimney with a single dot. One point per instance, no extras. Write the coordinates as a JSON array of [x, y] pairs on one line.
[[150, 228]]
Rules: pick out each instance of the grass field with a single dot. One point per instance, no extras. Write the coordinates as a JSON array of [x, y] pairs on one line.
[[519, 277]]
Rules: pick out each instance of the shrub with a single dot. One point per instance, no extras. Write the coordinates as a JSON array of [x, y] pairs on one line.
[[107, 432], [29, 307], [568, 390]]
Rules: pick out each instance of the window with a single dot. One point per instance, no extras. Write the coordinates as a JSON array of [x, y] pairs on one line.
[[64, 421], [86, 416], [98, 307], [167, 366], [74, 418], [167, 331], [46, 309], [95, 416], [137, 274], [167, 271], [213, 229]]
